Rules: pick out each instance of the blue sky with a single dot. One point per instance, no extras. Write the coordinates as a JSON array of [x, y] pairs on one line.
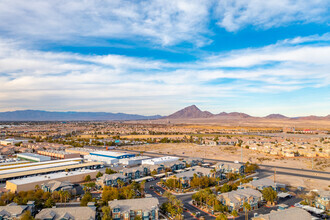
[[155, 57]]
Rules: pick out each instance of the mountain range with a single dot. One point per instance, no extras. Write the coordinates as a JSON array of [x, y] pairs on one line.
[[37, 115], [193, 112], [190, 112]]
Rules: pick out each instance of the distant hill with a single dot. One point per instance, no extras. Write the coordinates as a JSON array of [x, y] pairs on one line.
[[37, 115], [193, 112], [233, 114], [276, 116], [190, 112]]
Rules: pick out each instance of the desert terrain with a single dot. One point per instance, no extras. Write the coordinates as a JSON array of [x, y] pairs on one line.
[[233, 153]]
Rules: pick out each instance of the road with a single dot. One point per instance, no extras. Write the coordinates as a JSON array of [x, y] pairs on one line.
[[186, 198], [265, 168]]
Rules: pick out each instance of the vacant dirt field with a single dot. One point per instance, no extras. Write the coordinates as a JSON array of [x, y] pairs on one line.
[[234, 153]]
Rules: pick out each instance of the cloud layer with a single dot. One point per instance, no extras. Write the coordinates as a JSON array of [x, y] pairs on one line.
[[158, 21], [68, 81]]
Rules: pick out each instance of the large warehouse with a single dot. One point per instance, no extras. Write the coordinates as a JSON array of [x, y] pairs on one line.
[[160, 160], [58, 154], [31, 169], [29, 183], [33, 157], [133, 160], [112, 154], [108, 157]]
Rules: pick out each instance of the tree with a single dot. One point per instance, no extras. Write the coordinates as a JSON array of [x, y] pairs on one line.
[[99, 174], [87, 178], [269, 194], [66, 195], [234, 213], [106, 213], [49, 203], [143, 183], [27, 216], [86, 199], [222, 216], [109, 171], [37, 187], [153, 173], [120, 183], [247, 208]]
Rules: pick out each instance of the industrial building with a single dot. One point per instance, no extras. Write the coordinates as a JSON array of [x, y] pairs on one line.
[[33, 157], [160, 160], [11, 141], [105, 160], [78, 150], [26, 170], [112, 154], [108, 157], [133, 160], [29, 183], [58, 154]]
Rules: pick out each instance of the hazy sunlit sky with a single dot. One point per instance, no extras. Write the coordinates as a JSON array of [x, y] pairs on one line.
[[155, 57]]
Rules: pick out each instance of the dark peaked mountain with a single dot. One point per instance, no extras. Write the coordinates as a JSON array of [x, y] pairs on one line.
[[190, 112], [276, 116], [193, 112], [37, 115]]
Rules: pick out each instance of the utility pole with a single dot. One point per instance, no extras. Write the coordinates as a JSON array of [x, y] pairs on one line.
[[312, 163], [241, 153], [274, 176]]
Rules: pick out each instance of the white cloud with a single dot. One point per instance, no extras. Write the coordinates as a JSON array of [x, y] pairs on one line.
[[67, 81], [163, 22], [234, 15]]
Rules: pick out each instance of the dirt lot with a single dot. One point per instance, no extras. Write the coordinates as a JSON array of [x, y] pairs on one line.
[[234, 153]]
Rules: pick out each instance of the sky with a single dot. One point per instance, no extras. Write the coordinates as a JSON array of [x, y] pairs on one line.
[[157, 56]]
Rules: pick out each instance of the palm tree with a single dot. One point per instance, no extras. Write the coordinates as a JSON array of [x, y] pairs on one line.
[[234, 213], [66, 196], [247, 208], [142, 186]]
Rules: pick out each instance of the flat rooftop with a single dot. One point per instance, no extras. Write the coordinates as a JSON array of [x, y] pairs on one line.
[[110, 153], [33, 155], [28, 164], [165, 159], [48, 170], [137, 158], [56, 152], [52, 176]]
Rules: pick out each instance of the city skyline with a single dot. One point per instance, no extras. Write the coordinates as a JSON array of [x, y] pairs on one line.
[[155, 58]]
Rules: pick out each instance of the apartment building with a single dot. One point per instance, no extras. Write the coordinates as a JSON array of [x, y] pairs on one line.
[[234, 200], [145, 208], [111, 180]]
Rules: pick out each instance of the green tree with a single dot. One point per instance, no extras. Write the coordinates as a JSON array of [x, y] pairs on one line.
[[247, 208], [106, 213], [234, 213], [153, 173], [109, 171], [120, 183], [269, 194], [99, 174], [86, 199], [49, 203], [88, 178], [222, 216]]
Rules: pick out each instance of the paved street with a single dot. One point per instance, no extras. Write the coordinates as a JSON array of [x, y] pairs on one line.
[[187, 198]]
